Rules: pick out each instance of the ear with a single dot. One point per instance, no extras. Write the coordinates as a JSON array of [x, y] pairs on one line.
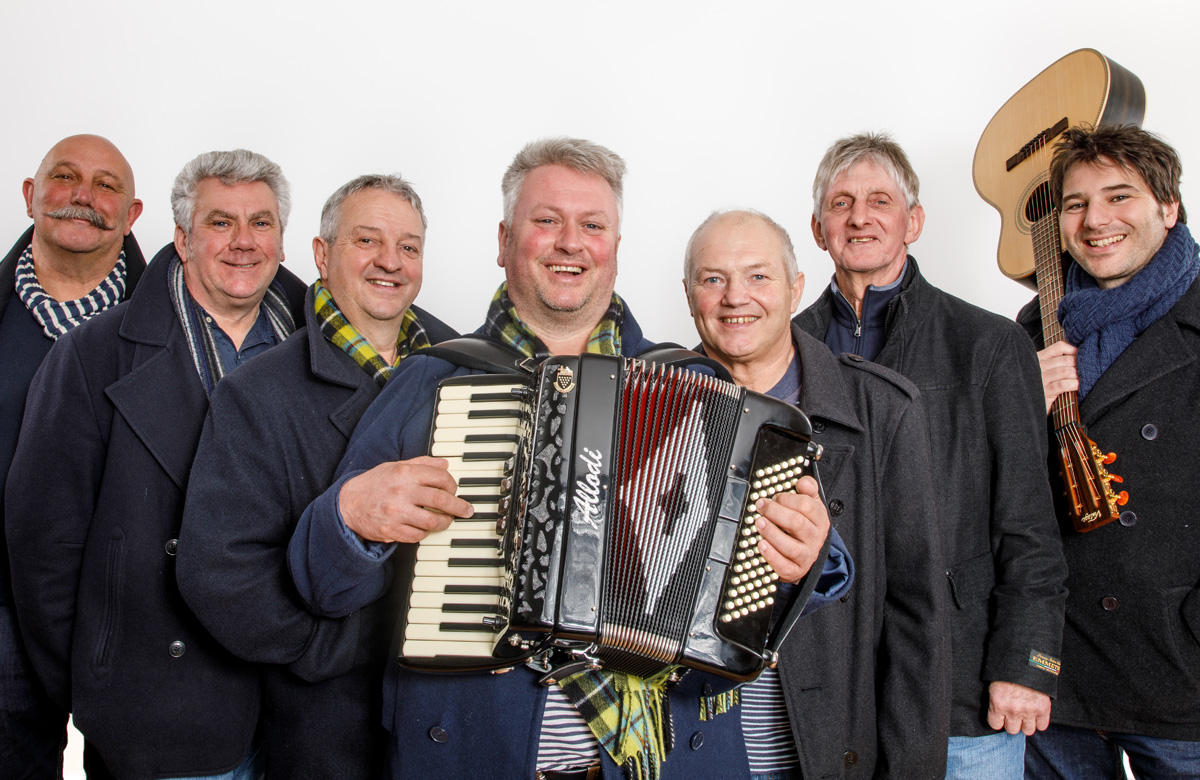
[[181, 244], [797, 290], [818, 235], [916, 222], [687, 293], [502, 239], [319, 257], [27, 191], [1170, 214], [135, 211]]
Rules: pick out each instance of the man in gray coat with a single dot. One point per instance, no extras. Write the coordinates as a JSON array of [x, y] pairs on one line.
[[979, 385], [1131, 316]]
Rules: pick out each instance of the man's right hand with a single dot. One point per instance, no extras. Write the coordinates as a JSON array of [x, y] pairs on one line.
[[401, 501], [1058, 371]]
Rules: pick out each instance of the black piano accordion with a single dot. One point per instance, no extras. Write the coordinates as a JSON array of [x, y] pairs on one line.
[[614, 520]]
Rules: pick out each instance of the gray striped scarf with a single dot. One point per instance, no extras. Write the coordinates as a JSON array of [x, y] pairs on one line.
[[199, 336]]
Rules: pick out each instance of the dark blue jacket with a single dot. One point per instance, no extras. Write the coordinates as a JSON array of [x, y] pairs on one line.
[[95, 499], [275, 432], [23, 346]]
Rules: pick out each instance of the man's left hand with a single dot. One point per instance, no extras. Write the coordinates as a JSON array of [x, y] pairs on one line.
[[793, 528], [1016, 708]]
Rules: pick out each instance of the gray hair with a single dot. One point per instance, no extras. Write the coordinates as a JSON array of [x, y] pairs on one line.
[[331, 214], [239, 166], [574, 153], [743, 215], [845, 153]]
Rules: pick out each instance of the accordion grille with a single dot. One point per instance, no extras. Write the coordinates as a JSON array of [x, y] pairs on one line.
[[676, 433]]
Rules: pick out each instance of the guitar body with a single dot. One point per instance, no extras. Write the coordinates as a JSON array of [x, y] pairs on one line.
[[1083, 87]]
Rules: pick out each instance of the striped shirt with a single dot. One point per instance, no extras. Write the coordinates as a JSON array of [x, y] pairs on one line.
[[765, 727], [566, 742]]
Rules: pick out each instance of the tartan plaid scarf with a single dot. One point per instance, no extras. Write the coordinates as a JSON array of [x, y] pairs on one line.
[[628, 715], [200, 340], [504, 324], [58, 317], [338, 330]]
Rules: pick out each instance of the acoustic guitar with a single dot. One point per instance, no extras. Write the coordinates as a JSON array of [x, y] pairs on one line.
[[1012, 173]]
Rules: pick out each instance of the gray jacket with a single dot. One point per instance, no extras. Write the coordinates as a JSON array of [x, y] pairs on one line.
[[981, 388]]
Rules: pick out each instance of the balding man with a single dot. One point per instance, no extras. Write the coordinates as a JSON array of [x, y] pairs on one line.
[[861, 685], [96, 488], [77, 259]]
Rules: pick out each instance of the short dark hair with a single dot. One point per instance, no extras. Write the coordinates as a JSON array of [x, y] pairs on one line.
[[1129, 147]]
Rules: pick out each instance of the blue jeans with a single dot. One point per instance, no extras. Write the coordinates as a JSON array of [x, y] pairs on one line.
[[1067, 753], [999, 756], [253, 768], [33, 730], [783, 774]]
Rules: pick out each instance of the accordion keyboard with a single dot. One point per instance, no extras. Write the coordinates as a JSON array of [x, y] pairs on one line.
[[458, 581]]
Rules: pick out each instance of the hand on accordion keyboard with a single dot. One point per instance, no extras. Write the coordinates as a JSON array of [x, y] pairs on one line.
[[401, 501], [793, 528]]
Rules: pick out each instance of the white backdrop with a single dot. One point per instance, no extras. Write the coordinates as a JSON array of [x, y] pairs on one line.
[[712, 104]]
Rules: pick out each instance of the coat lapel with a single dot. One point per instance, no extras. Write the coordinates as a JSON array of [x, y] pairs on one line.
[[332, 365]]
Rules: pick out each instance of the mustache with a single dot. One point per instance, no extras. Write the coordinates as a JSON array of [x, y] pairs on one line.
[[81, 212]]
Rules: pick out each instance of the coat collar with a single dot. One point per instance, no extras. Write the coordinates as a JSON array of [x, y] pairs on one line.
[[1158, 351], [332, 365], [823, 389]]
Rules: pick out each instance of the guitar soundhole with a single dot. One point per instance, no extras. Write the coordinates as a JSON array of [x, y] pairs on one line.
[[1039, 204]]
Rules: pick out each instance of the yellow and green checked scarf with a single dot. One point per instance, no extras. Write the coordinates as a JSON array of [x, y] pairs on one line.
[[338, 330], [629, 715], [505, 325]]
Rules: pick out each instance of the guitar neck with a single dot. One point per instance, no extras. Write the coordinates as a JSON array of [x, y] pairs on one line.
[[1047, 251]]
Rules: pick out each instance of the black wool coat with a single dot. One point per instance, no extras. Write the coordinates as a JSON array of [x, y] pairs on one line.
[[1131, 644], [94, 503], [981, 388], [276, 431]]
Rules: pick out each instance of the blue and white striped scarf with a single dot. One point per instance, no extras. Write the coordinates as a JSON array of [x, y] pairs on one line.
[[58, 317]]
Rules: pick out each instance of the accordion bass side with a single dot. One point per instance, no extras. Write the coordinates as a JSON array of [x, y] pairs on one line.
[[614, 520]]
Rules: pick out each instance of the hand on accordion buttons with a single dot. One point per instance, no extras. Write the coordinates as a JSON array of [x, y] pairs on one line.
[[1059, 376], [401, 501], [793, 528]]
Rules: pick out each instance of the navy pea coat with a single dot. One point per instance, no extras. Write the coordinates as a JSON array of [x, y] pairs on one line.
[[93, 508], [1131, 644], [276, 431]]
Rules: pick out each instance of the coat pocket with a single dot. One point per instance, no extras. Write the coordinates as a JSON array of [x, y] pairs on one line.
[[972, 580], [110, 620]]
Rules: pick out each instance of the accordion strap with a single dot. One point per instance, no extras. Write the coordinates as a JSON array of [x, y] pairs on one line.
[[482, 354], [805, 590]]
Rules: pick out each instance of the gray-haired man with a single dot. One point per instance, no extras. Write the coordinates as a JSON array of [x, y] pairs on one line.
[[95, 493], [286, 420]]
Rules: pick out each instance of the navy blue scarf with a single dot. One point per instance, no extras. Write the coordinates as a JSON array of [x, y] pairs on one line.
[[1102, 323]]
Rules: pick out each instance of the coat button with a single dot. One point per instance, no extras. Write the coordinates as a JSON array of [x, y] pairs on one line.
[[836, 507], [854, 357], [438, 734], [1128, 518], [1149, 431], [697, 740], [1109, 603], [818, 426], [172, 546], [844, 598], [850, 759], [176, 649]]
